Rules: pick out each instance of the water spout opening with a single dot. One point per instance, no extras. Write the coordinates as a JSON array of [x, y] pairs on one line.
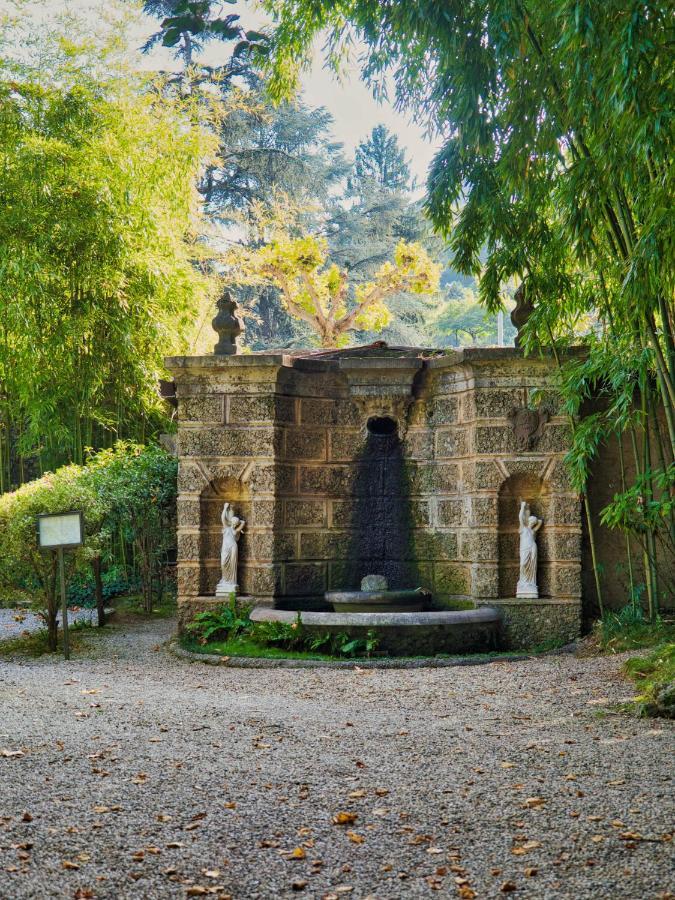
[[382, 426]]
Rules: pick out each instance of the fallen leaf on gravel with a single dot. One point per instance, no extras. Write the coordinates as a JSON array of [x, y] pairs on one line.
[[92, 691], [154, 850], [616, 782], [630, 836], [531, 845], [26, 817], [434, 850], [230, 805], [466, 892], [299, 885], [83, 894], [533, 802], [381, 792], [355, 838], [507, 765], [67, 864], [141, 778], [344, 889], [420, 839], [164, 818], [598, 838], [531, 872], [174, 845], [197, 890], [356, 795], [10, 754], [211, 873], [345, 818], [508, 886], [297, 853]]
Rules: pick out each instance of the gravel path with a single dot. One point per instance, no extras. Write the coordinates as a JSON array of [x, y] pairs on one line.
[[143, 776], [14, 622]]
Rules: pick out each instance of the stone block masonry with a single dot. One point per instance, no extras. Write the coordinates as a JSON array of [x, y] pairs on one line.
[[292, 442]]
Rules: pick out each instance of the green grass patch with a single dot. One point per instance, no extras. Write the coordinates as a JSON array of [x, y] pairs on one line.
[[654, 676], [132, 605], [628, 629], [245, 646], [34, 644]]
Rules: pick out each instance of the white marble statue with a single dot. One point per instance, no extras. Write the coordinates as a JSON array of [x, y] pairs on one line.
[[527, 580], [229, 552]]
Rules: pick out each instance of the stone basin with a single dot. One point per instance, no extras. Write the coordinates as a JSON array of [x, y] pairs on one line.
[[403, 601], [403, 633]]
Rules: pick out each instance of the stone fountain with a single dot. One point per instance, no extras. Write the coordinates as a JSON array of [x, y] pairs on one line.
[[404, 462]]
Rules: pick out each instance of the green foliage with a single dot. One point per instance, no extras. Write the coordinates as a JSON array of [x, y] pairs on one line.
[[137, 489], [231, 624], [461, 315], [98, 239], [284, 635], [629, 629], [115, 580], [294, 636], [128, 489], [655, 678], [21, 560], [319, 293], [379, 159], [223, 623]]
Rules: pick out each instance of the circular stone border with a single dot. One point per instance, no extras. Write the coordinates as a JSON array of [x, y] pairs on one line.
[[428, 662]]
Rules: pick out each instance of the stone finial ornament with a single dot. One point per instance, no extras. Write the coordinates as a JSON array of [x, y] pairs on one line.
[[227, 324], [528, 425], [521, 312], [527, 580], [229, 552]]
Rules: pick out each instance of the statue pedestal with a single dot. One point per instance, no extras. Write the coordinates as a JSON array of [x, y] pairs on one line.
[[527, 591], [225, 588]]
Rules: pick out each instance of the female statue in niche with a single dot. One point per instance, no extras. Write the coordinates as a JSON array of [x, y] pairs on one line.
[[229, 552], [529, 526]]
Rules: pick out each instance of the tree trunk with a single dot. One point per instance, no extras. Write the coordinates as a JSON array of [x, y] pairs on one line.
[[52, 620], [98, 590]]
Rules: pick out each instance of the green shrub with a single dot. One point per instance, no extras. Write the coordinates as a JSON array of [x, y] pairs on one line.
[[655, 678], [115, 582], [128, 490], [221, 624], [629, 629], [21, 560], [137, 487]]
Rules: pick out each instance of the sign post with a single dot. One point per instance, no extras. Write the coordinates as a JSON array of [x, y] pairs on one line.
[[59, 532]]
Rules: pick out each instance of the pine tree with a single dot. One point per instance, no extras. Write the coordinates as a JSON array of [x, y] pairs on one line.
[[379, 159]]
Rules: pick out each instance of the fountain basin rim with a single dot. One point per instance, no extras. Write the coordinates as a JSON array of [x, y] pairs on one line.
[[388, 596], [484, 615]]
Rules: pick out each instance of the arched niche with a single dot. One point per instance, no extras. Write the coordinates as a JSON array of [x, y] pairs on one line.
[[534, 490], [213, 496]]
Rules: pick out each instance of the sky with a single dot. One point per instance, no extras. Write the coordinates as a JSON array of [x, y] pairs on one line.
[[350, 102]]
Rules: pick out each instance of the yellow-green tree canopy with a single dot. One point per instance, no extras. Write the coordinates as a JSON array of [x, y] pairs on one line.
[[99, 236], [320, 294]]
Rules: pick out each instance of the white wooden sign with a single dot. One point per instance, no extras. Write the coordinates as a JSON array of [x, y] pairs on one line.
[[60, 530]]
